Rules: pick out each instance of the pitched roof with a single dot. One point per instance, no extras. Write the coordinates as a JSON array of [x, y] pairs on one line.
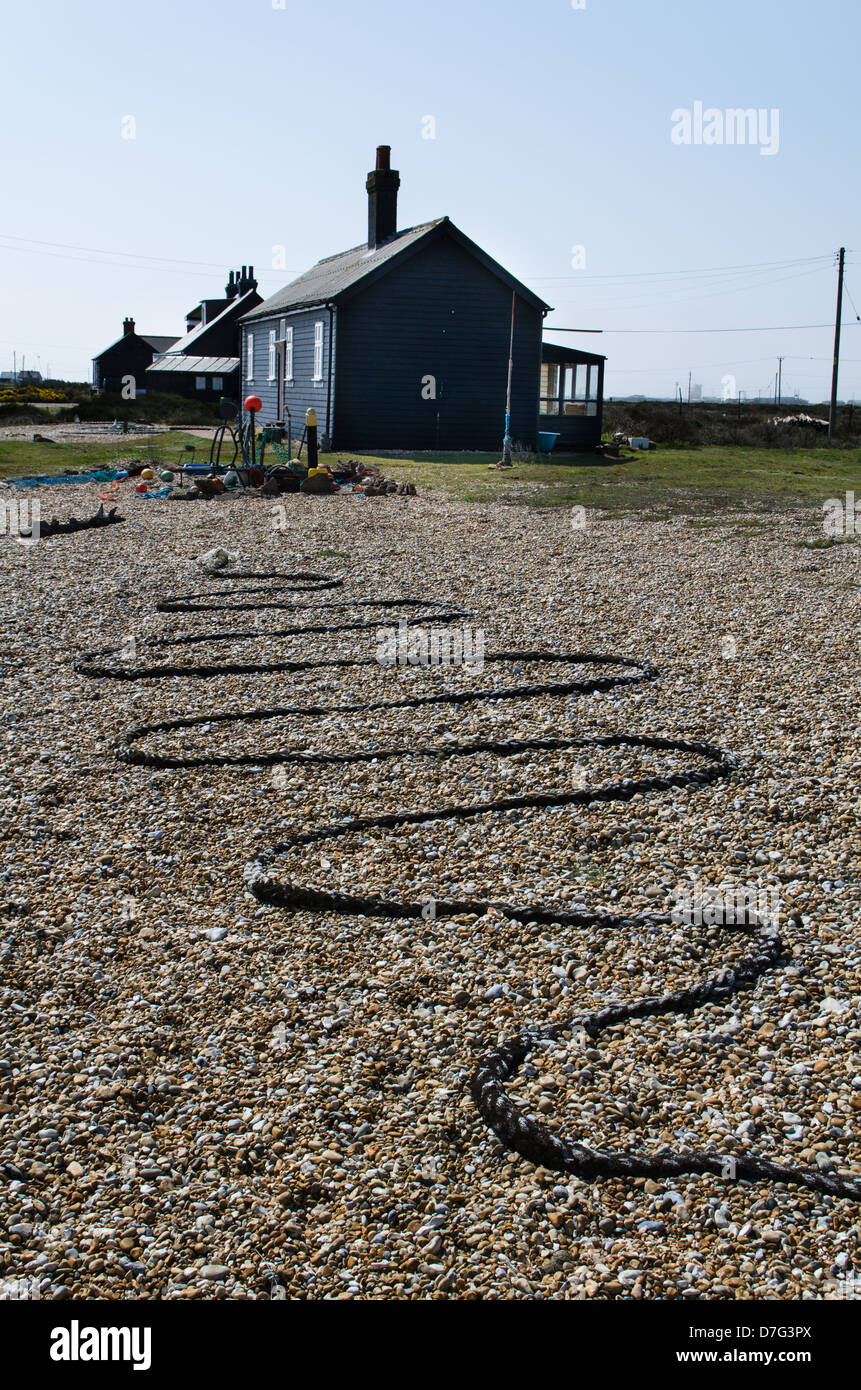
[[157, 343], [332, 278], [186, 362], [233, 309]]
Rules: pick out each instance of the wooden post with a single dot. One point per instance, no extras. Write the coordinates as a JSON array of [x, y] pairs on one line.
[[311, 428], [506, 443]]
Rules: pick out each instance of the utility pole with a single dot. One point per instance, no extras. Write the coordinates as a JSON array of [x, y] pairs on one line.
[[780, 381], [689, 387], [832, 414]]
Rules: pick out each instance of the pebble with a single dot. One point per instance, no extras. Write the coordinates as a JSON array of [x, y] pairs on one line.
[[210, 1095]]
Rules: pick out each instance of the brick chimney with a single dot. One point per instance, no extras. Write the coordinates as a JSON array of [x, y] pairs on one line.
[[382, 185], [231, 289], [128, 327]]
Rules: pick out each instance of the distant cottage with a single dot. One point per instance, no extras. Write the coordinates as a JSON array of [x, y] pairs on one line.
[[127, 358], [403, 343]]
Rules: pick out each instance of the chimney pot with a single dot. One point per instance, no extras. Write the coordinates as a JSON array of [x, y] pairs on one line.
[[383, 156], [128, 327]]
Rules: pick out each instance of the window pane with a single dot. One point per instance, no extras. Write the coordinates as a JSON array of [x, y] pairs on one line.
[[318, 351], [549, 395]]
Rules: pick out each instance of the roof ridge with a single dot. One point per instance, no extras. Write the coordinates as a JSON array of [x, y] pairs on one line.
[[363, 245]]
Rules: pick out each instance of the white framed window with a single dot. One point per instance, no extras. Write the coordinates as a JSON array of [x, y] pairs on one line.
[[200, 383], [318, 350], [287, 338], [249, 357], [272, 336], [217, 383]]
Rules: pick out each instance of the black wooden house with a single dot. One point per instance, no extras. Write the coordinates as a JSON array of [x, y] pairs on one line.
[[127, 359], [403, 342]]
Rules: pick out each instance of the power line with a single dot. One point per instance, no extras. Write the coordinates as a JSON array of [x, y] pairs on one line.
[[772, 328], [745, 287], [685, 274], [99, 251], [129, 266]]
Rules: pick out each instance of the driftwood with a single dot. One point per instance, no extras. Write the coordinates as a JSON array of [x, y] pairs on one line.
[[67, 528]]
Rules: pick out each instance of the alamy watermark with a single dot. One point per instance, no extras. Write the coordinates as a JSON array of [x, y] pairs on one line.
[[22, 1287], [436, 646], [707, 125], [841, 518], [21, 519], [727, 904]]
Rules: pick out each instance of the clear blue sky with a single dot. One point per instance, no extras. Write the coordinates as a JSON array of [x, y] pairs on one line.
[[255, 127]]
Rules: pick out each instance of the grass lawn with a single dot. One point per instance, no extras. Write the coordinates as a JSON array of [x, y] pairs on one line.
[[664, 482], [21, 457]]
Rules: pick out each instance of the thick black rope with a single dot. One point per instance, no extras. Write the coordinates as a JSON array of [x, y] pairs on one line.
[[93, 663], [521, 1132]]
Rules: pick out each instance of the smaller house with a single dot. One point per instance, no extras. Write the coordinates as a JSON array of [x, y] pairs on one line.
[[571, 396], [127, 359]]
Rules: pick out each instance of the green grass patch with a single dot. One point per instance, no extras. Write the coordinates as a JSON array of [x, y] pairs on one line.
[[825, 542], [711, 486], [695, 482], [21, 458]]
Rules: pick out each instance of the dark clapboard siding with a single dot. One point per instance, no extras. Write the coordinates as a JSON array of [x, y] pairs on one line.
[[129, 357], [305, 393], [440, 313]]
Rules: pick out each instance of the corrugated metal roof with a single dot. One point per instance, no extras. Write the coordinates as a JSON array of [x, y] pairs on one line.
[[332, 277], [186, 362]]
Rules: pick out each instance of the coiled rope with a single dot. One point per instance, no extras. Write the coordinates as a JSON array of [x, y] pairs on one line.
[[516, 1130]]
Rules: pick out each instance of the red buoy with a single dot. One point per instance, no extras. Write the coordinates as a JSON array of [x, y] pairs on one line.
[[253, 403]]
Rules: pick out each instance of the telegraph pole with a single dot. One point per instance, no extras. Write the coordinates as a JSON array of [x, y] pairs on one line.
[[832, 414], [779, 381]]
